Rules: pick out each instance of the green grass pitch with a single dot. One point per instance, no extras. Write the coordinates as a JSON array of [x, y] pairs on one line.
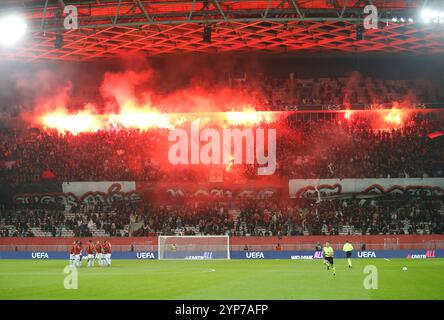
[[228, 279]]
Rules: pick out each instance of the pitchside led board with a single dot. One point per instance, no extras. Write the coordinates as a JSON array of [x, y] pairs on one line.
[[198, 254]]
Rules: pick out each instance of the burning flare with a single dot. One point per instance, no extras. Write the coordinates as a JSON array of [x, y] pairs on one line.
[[394, 117], [82, 121], [144, 119]]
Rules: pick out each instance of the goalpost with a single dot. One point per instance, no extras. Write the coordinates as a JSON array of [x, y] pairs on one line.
[[193, 247]]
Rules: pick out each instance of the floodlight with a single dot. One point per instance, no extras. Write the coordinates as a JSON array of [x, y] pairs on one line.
[[12, 29]]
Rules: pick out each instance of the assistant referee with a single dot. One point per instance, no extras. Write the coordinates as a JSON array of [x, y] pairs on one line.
[[348, 249]]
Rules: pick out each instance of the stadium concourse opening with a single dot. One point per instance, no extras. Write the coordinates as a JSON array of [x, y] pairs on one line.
[[265, 150]]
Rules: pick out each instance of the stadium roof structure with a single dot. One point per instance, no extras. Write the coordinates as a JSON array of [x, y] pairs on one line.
[[111, 27]]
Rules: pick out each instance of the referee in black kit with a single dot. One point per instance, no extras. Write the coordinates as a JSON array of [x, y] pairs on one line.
[[328, 257]]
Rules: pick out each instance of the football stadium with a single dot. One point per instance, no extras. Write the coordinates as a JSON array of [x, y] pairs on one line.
[[222, 150]]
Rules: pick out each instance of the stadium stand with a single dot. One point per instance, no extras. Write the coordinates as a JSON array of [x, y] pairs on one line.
[[310, 149], [291, 93], [272, 217]]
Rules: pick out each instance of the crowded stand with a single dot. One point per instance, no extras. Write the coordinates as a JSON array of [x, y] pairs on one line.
[[317, 148], [314, 149], [337, 144], [291, 93], [271, 217], [354, 150]]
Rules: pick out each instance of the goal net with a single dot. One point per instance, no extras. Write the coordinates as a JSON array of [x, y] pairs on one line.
[[194, 247]]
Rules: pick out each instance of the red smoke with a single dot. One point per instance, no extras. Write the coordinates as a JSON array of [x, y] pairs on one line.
[[137, 98], [130, 101]]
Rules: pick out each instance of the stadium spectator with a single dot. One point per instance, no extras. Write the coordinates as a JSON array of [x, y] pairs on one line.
[[306, 149], [390, 215]]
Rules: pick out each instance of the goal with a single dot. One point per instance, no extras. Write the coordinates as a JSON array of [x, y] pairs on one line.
[[194, 247]]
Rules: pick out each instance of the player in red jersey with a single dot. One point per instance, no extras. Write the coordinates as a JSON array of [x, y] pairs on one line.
[[80, 253], [72, 252], [77, 250], [99, 254], [107, 250], [90, 253]]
